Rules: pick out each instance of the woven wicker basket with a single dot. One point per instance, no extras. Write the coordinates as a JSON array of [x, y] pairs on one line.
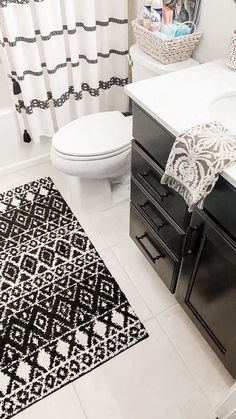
[[167, 51]]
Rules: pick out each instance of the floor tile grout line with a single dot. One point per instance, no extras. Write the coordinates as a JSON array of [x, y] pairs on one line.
[[187, 366], [145, 302], [106, 241], [167, 308], [99, 230], [79, 400], [124, 269]]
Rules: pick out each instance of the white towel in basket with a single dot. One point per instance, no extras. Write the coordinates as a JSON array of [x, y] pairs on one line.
[[196, 160]]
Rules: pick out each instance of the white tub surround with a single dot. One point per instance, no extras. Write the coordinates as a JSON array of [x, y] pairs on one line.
[[181, 100], [14, 153], [68, 65]]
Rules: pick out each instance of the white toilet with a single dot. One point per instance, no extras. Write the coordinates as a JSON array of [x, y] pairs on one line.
[[95, 150]]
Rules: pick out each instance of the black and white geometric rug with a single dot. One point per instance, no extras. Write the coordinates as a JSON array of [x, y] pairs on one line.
[[62, 314]]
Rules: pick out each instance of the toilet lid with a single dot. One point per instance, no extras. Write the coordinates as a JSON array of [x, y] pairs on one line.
[[94, 135]]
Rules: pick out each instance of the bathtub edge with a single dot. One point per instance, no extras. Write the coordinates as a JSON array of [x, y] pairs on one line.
[[25, 164]]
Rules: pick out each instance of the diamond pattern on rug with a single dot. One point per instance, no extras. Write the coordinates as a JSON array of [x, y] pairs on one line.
[[62, 313]]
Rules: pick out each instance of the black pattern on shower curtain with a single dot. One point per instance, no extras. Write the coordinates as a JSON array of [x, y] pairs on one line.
[[76, 59]]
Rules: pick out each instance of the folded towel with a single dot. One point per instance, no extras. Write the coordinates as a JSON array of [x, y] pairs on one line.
[[196, 160]]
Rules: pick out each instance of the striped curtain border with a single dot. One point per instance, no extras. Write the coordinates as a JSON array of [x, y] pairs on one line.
[[65, 64], [61, 32], [95, 92]]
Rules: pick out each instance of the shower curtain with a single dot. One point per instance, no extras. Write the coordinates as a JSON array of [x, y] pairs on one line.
[[66, 58]]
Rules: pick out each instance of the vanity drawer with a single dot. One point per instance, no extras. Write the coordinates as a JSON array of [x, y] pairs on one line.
[[221, 205], [159, 221], [143, 235], [149, 174], [152, 137]]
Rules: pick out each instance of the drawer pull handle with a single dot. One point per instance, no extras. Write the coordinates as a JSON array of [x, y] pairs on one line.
[[153, 259], [143, 206], [161, 196]]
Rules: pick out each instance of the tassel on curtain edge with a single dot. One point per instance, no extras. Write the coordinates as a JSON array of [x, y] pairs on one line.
[[16, 91], [26, 137], [16, 86]]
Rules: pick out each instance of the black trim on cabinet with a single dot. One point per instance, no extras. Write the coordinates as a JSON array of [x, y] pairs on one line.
[[195, 267]]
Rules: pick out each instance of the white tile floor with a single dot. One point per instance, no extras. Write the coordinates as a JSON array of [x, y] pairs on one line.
[[171, 375]]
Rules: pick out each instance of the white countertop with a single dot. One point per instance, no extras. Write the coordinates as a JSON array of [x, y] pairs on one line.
[[181, 100]]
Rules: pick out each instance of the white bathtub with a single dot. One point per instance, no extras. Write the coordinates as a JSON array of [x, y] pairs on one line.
[[14, 153]]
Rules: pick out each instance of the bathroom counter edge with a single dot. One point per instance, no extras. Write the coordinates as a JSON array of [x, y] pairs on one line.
[[164, 97]]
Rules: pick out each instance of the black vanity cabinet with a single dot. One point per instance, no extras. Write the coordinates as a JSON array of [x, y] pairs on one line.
[[159, 216], [194, 255], [207, 285]]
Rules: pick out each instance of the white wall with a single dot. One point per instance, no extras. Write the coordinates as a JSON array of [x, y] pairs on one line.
[[134, 8], [218, 19]]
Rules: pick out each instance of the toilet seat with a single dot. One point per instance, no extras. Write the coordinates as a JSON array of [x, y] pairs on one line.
[[91, 157], [94, 137]]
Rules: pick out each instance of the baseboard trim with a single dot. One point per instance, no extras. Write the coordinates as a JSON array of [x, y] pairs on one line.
[[25, 164]]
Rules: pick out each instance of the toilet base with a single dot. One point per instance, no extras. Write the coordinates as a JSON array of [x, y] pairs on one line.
[[94, 195], [90, 195], [121, 189]]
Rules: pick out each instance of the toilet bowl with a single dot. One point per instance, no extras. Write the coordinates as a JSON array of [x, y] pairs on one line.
[[95, 150]]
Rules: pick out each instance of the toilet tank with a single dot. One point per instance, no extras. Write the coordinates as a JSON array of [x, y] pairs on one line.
[[145, 67]]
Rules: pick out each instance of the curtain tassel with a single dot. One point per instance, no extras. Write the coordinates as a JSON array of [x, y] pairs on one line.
[[26, 137], [16, 87]]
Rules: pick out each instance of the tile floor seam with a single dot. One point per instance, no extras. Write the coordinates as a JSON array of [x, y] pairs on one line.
[[79, 400], [133, 283], [167, 308], [187, 366], [148, 319], [103, 249], [143, 300], [111, 245]]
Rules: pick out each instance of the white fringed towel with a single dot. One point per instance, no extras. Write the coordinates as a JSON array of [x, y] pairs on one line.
[[198, 157]]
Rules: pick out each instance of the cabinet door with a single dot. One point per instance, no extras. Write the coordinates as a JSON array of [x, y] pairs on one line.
[[207, 285]]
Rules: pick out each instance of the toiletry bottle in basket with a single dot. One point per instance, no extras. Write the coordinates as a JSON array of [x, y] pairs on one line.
[[156, 15], [147, 14]]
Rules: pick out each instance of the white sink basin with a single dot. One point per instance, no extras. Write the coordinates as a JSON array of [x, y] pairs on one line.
[[223, 109]]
